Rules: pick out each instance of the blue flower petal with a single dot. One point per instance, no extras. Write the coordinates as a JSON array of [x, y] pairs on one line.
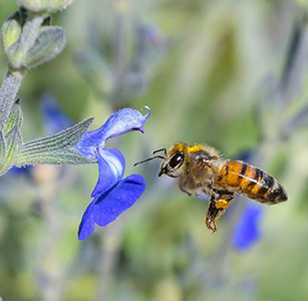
[[121, 122], [87, 225], [247, 231], [111, 166], [111, 204]]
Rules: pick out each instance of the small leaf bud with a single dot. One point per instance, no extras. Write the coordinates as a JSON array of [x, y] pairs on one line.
[[49, 43], [48, 6], [11, 30]]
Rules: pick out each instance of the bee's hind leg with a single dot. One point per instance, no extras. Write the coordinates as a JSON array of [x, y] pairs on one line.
[[217, 206]]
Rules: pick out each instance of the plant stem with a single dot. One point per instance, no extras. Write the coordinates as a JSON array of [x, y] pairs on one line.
[[13, 78]]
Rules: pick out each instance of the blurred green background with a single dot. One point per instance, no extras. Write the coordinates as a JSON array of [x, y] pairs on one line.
[[213, 70]]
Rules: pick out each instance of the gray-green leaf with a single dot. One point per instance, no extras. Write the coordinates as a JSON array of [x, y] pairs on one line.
[[2, 148], [15, 117], [49, 43], [13, 143], [57, 149]]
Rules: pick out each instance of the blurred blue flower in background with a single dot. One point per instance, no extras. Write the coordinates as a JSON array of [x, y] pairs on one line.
[[54, 119], [112, 195], [18, 171], [247, 231]]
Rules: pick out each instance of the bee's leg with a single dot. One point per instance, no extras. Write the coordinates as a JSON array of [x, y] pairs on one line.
[[212, 214], [224, 199], [217, 206], [186, 185], [186, 191]]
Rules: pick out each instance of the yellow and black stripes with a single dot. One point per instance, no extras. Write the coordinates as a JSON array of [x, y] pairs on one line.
[[250, 181]]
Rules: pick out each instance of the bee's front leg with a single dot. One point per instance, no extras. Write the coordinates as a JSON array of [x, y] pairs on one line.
[[185, 190], [217, 206]]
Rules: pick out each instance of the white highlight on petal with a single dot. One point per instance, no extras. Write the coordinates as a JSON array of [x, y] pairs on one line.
[[115, 165]]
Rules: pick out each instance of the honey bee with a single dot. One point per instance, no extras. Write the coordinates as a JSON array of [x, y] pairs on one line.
[[201, 169]]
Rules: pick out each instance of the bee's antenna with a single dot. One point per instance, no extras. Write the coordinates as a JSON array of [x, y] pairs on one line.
[[155, 157], [161, 150], [149, 159]]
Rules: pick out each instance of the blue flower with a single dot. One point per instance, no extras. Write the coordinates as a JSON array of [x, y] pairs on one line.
[[112, 194], [247, 231], [54, 119]]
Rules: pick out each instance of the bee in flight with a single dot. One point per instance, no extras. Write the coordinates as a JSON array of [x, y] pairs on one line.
[[201, 169]]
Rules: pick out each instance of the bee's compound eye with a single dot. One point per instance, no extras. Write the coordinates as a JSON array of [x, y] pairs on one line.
[[177, 160]]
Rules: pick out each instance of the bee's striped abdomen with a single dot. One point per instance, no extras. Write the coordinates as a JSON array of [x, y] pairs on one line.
[[240, 177]]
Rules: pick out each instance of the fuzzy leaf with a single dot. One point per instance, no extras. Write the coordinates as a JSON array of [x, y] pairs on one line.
[[13, 143], [2, 148], [66, 157], [8, 91], [49, 43], [11, 30], [56, 149], [15, 117]]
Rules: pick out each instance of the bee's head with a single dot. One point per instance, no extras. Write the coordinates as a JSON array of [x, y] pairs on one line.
[[172, 164], [172, 161]]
